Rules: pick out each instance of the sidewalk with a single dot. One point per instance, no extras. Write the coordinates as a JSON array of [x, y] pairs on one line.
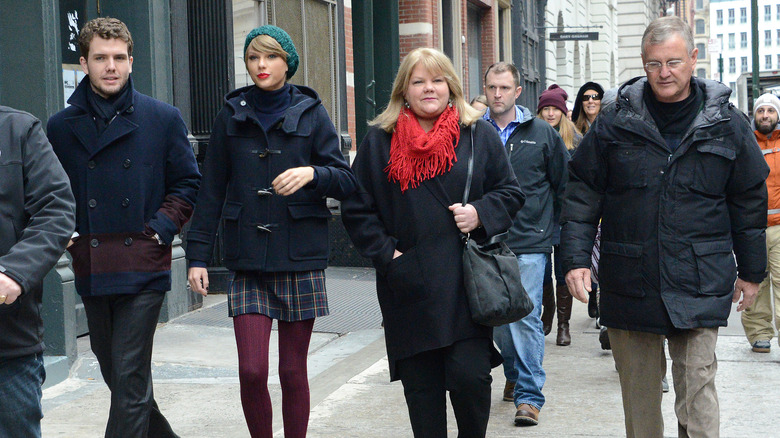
[[196, 380]]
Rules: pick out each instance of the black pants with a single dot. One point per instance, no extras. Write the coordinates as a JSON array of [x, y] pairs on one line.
[[463, 369], [121, 333]]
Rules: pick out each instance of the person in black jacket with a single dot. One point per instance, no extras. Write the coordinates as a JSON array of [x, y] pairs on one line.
[[538, 157], [673, 171], [407, 217], [38, 217], [273, 158]]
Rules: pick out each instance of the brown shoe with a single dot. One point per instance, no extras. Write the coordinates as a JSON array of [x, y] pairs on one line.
[[509, 391], [526, 415]]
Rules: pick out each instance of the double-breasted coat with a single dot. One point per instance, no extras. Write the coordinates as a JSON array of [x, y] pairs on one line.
[[136, 179]]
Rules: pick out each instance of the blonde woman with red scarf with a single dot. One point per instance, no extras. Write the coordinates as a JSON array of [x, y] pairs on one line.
[[407, 217]]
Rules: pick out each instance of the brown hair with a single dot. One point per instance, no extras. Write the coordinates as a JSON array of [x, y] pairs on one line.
[[501, 67], [106, 28]]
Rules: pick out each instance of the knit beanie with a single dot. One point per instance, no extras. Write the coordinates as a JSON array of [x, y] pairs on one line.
[[767, 99], [282, 38], [554, 96]]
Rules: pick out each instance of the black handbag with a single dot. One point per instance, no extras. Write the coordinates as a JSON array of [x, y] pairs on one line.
[[491, 275]]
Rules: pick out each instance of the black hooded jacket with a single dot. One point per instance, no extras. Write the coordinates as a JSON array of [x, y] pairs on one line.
[[264, 231], [669, 219]]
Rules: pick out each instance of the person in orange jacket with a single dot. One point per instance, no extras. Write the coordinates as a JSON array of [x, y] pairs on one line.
[[757, 319]]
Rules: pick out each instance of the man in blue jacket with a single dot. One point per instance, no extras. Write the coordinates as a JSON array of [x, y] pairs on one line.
[[38, 214], [538, 156], [673, 172], [135, 180]]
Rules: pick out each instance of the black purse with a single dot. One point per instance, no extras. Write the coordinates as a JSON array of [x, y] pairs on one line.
[[491, 274]]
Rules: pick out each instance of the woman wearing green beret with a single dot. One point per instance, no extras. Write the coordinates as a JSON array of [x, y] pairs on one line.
[[273, 159]]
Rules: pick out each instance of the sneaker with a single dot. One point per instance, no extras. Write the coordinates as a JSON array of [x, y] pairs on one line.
[[761, 346]]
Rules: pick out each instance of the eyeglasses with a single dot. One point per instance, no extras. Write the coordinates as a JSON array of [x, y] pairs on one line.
[[587, 97], [654, 66]]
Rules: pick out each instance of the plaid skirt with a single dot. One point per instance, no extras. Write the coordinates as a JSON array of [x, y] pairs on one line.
[[286, 296]]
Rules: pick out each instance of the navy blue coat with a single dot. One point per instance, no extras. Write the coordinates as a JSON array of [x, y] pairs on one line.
[[138, 178], [264, 231]]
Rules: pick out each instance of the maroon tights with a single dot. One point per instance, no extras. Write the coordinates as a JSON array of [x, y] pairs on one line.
[[253, 332]]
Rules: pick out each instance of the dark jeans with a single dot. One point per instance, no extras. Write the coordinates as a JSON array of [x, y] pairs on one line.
[[463, 369], [20, 396], [121, 333]]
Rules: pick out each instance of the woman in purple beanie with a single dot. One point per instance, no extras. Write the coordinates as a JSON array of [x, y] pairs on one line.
[[552, 109]]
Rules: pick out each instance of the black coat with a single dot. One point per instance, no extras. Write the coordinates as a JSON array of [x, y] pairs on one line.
[[37, 217], [538, 157], [421, 293], [264, 231], [669, 220]]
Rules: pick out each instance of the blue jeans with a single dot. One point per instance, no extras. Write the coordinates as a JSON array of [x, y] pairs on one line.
[[522, 342], [20, 396]]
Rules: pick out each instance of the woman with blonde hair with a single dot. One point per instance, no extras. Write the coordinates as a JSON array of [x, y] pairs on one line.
[[407, 217], [273, 158], [552, 109]]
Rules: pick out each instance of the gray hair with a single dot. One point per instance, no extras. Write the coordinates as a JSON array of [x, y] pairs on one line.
[[663, 28]]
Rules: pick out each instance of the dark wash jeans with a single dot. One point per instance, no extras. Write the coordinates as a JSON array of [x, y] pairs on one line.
[[20, 396]]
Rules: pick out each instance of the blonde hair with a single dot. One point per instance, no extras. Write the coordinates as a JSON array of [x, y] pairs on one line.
[[266, 44], [566, 129], [437, 63]]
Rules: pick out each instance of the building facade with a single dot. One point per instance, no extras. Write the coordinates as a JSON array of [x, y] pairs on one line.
[[730, 22], [633, 18], [572, 63]]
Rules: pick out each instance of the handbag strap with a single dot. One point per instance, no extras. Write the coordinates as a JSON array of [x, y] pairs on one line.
[[466, 236], [471, 169]]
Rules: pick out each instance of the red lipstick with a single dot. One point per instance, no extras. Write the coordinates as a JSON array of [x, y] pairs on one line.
[[263, 75]]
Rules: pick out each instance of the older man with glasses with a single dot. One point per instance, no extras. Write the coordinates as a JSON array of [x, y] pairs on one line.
[[674, 173]]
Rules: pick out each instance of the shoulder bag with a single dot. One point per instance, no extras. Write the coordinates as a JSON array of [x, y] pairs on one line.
[[491, 274]]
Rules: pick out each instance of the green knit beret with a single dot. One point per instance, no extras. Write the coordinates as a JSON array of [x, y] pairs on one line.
[[282, 38]]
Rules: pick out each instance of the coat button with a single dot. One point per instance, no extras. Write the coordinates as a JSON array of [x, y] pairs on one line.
[[125, 202], [91, 164], [242, 103], [128, 241], [94, 243], [92, 203], [126, 164], [130, 110]]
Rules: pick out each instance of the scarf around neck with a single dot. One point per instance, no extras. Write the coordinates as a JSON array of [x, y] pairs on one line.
[[416, 155], [104, 110]]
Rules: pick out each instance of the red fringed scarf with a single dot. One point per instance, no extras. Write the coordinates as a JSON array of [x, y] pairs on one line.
[[416, 155]]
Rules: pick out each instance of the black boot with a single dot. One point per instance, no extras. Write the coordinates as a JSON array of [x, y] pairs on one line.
[[593, 305], [564, 302], [548, 307]]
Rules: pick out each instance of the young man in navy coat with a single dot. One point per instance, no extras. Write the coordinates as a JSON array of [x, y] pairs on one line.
[[135, 179]]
